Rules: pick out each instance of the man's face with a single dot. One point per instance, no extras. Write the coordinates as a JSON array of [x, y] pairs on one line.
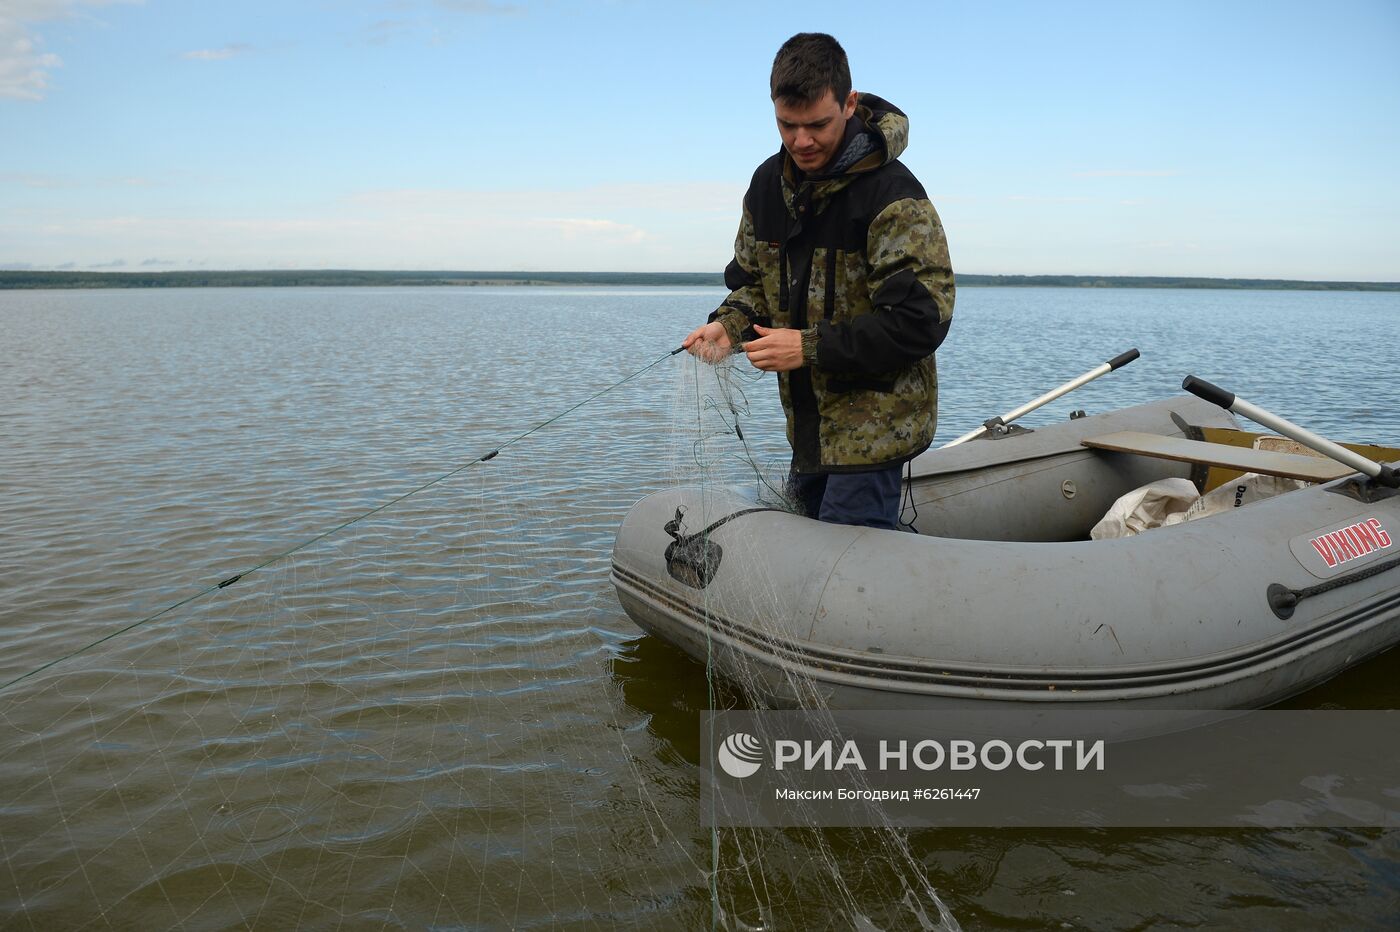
[[812, 132]]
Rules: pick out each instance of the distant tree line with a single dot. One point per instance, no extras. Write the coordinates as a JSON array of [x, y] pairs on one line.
[[341, 278], [1153, 281]]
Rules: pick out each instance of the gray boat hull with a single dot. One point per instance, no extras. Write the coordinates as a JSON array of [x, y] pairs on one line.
[[994, 603]]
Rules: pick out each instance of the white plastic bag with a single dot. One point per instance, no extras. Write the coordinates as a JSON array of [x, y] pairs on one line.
[[1147, 507]]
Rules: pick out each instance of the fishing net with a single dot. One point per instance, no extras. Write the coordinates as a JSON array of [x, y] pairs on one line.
[[762, 877], [436, 715]]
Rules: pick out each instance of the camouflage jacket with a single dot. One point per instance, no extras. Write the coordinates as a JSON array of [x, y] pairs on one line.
[[856, 259]]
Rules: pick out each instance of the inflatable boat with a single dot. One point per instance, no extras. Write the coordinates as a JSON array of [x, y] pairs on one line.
[[1000, 596]]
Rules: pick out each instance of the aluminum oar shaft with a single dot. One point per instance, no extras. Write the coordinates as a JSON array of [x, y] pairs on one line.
[[1100, 370], [1386, 475]]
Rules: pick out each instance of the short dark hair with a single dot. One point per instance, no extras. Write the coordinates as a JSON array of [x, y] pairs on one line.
[[806, 66]]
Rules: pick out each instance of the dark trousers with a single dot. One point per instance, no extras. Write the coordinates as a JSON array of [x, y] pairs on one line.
[[866, 499]]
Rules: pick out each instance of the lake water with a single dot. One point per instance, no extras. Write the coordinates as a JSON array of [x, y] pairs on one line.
[[439, 716]]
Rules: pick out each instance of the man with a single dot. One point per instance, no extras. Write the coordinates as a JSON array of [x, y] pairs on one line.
[[841, 284]]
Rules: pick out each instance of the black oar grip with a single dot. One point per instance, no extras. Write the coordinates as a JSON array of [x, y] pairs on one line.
[[1212, 393], [1122, 359]]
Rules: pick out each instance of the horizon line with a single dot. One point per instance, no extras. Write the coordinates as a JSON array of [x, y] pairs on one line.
[[16, 275], [517, 273]]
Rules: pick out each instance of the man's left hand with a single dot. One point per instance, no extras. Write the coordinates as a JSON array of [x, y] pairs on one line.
[[777, 349]]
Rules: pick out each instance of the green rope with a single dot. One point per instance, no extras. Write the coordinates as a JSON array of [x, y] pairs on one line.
[[340, 527]]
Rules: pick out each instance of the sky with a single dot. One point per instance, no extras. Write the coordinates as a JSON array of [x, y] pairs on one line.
[[1227, 139]]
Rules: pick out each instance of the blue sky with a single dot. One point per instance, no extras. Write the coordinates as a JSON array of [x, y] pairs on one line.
[[1131, 138]]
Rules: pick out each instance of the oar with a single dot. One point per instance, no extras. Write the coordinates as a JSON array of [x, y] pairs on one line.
[[1117, 362], [1385, 475]]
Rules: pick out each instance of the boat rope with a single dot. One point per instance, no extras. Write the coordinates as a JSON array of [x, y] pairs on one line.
[[229, 581], [907, 499], [1284, 600]]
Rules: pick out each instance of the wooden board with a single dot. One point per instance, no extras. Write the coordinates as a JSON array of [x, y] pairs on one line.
[[1290, 465], [1212, 476]]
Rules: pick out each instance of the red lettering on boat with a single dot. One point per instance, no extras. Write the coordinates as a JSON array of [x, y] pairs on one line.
[[1368, 536], [1351, 542], [1339, 540], [1375, 524], [1324, 551]]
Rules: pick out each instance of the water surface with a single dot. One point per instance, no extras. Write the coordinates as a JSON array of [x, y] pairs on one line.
[[439, 716]]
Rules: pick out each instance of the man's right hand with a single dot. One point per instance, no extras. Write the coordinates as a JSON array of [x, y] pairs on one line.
[[709, 343]]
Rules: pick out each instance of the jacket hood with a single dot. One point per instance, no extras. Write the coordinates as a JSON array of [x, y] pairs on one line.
[[889, 124]]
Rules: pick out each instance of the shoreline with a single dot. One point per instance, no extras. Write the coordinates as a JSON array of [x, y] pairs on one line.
[[344, 278]]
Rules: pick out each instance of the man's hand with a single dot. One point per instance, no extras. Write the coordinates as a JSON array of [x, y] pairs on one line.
[[709, 343], [776, 349]]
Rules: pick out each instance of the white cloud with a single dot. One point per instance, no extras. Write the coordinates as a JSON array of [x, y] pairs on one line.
[[430, 21], [642, 227], [708, 197], [574, 227], [68, 182], [24, 65], [30, 180], [24, 70], [479, 7], [382, 32], [222, 54]]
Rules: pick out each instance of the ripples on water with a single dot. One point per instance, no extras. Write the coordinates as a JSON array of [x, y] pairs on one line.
[[440, 716]]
